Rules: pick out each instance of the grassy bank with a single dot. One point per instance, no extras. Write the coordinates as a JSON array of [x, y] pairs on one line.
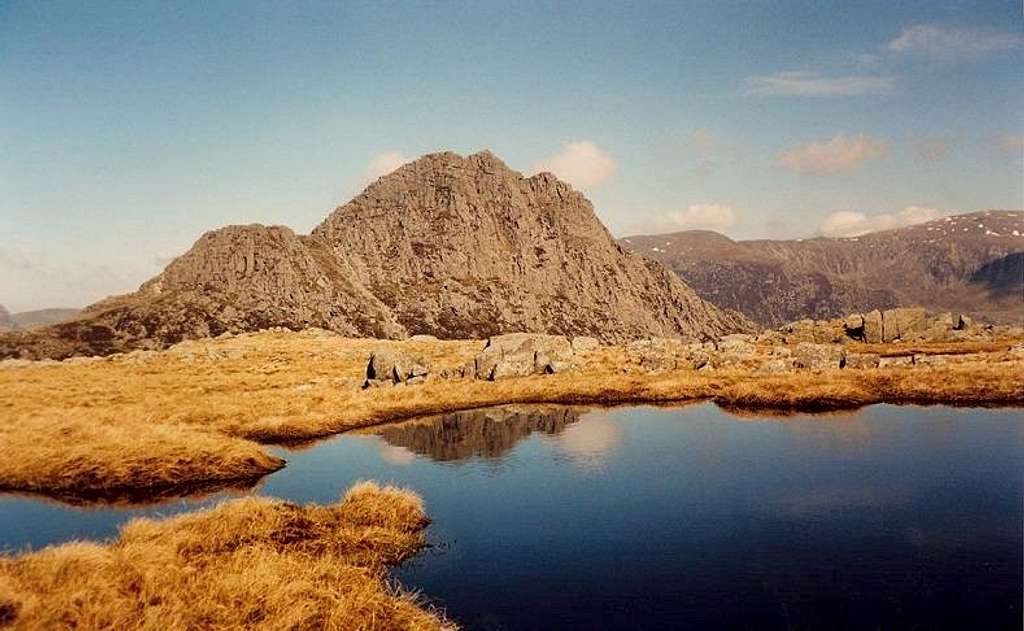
[[193, 416], [252, 563]]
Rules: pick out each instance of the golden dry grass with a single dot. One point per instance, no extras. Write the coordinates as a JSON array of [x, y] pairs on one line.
[[252, 563], [931, 348], [193, 416]]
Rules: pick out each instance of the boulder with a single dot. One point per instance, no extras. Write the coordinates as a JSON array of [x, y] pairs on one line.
[[854, 323], [658, 354], [734, 350], [523, 354], [903, 324], [390, 367], [873, 327], [819, 356]]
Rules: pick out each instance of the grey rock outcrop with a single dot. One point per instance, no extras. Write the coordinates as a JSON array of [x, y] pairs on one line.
[[905, 324], [391, 367], [522, 355], [660, 354], [819, 356], [450, 246]]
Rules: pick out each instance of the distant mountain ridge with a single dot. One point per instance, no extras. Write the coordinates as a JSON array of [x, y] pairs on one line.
[[453, 246], [971, 262], [34, 318]]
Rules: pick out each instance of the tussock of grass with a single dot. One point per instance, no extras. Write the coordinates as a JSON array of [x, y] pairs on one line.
[[114, 462], [193, 415], [253, 563]]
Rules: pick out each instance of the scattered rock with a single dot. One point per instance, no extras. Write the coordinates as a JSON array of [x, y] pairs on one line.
[[523, 354], [819, 356], [872, 333], [904, 324], [661, 354], [394, 367]]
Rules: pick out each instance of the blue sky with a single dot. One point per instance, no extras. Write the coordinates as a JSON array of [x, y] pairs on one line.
[[130, 128]]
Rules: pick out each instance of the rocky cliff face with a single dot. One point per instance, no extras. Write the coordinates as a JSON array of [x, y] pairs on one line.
[[448, 245], [968, 263]]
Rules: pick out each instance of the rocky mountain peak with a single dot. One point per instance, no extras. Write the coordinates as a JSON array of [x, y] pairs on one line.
[[449, 245]]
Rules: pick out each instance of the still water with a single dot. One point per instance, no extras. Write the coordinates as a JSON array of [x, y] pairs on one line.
[[662, 518]]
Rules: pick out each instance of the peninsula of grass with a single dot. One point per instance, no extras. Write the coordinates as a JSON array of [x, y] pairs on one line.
[[252, 563], [197, 416]]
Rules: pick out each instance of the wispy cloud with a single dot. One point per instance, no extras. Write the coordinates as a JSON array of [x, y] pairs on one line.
[[847, 223], [816, 84], [580, 163], [382, 165], [942, 42], [840, 154], [718, 217]]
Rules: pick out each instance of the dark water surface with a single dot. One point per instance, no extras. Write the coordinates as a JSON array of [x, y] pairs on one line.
[[551, 517]]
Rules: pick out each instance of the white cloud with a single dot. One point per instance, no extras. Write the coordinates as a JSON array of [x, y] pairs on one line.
[[590, 442], [840, 154], [952, 43], [814, 84], [382, 165], [717, 217], [848, 223], [580, 163]]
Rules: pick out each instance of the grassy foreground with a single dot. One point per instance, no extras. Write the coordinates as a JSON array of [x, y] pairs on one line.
[[252, 563], [194, 416]]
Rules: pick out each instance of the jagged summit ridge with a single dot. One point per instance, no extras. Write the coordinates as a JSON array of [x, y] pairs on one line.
[[969, 262], [449, 245]]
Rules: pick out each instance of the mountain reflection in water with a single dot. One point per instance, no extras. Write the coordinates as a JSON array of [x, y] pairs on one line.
[[482, 433]]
